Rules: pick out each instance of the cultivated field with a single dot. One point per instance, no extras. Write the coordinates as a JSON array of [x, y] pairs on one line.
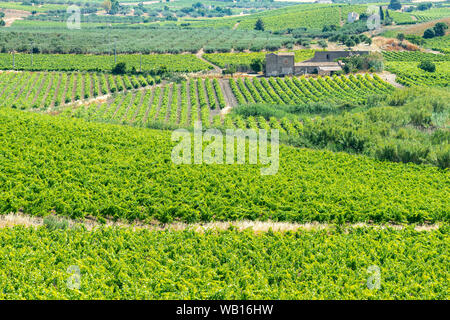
[[352, 179]]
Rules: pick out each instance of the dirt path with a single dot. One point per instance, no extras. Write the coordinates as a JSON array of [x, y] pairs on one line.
[[390, 78], [199, 55], [91, 223], [236, 25], [230, 100], [12, 15]]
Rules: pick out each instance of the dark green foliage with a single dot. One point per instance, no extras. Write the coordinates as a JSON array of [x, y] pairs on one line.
[[259, 25], [429, 33], [439, 29], [395, 5], [427, 65], [119, 68]]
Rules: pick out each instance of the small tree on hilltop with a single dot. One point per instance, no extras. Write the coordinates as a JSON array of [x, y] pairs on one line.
[[401, 37], [259, 25]]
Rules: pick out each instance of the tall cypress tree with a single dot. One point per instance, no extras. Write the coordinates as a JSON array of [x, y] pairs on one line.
[[381, 13]]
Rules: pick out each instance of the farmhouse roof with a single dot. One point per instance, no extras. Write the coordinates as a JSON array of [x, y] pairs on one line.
[[284, 53], [317, 64]]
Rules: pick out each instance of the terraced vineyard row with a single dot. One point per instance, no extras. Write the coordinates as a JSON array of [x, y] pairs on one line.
[[126, 172], [293, 90], [409, 74], [414, 56], [221, 264], [184, 104], [45, 90], [101, 63], [171, 104]]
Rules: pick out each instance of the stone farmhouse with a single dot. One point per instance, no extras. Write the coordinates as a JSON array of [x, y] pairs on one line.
[[323, 63]]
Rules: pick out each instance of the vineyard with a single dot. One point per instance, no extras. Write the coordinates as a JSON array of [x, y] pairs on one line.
[[102, 63], [439, 43], [47, 91], [313, 16], [414, 56], [149, 155], [77, 169], [293, 90], [173, 104], [409, 74], [182, 105], [126, 264]]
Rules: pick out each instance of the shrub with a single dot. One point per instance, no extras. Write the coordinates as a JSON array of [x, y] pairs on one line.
[[119, 68], [421, 117], [427, 66], [55, 223], [429, 33], [443, 157], [439, 29]]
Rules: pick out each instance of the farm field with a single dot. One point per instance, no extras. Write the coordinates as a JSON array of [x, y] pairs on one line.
[[46, 90], [223, 265], [439, 43], [306, 15], [414, 56], [310, 185], [201, 100], [176, 105], [98, 38], [101, 63], [409, 74], [152, 152]]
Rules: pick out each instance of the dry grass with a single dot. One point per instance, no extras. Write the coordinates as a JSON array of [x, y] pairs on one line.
[[391, 44]]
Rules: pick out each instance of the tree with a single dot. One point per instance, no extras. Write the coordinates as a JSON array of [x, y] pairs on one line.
[[119, 68], [429, 33], [350, 43], [2, 23], [322, 43], [427, 66], [257, 65], [395, 5], [424, 6], [381, 13], [259, 25], [439, 29], [400, 37]]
